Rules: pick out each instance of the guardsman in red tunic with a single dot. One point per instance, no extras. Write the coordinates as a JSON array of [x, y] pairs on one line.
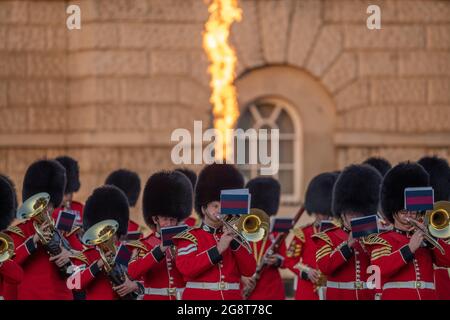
[[50, 177], [404, 259], [70, 205], [341, 258], [167, 200], [265, 195], [209, 258], [130, 183], [194, 219], [439, 172], [301, 254], [72, 186], [11, 274], [106, 202]]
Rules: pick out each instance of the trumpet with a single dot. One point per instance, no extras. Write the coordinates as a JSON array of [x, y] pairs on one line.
[[251, 227], [6, 247], [101, 235], [36, 208], [437, 224]]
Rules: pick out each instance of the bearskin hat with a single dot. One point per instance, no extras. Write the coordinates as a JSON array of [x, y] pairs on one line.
[[212, 179], [45, 176], [381, 164], [319, 193], [265, 194], [127, 181], [72, 173], [167, 194], [107, 202], [402, 176], [192, 176], [357, 189], [439, 172], [8, 202]]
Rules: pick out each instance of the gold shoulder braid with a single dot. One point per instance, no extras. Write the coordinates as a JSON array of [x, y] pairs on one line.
[[298, 232], [384, 250], [136, 244], [323, 236], [16, 230], [186, 235], [295, 249], [80, 256], [323, 251], [374, 239]]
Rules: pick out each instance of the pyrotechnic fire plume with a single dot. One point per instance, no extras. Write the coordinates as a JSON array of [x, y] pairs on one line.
[[222, 57]]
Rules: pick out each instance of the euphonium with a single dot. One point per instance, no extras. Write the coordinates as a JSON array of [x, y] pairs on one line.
[[6, 247], [101, 235], [251, 227], [36, 208]]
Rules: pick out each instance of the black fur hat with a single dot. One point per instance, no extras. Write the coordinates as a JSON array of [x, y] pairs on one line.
[[357, 189], [319, 193], [167, 194], [127, 181], [8, 202], [107, 202], [45, 176], [72, 173], [439, 172], [381, 164], [265, 194], [404, 175], [192, 176], [212, 179]]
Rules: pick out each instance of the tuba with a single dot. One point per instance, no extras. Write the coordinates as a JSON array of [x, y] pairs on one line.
[[6, 247], [101, 235], [251, 227], [437, 224], [36, 208]]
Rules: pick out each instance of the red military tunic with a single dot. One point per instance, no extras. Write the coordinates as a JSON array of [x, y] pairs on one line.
[[405, 275], [162, 281], [270, 285], [345, 268], [133, 226], [42, 279], [76, 208], [208, 274], [93, 281], [11, 274], [442, 281], [192, 221], [301, 255]]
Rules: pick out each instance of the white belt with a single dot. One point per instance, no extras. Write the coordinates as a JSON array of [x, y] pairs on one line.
[[163, 291], [409, 285], [352, 285], [213, 285]]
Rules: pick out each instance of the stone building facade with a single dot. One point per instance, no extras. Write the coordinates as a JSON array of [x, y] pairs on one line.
[[111, 93]]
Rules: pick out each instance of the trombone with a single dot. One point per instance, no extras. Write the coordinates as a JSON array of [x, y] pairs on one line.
[[251, 227], [437, 224], [6, 247]]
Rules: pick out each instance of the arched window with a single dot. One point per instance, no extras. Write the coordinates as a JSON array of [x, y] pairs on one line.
[[275, 113]]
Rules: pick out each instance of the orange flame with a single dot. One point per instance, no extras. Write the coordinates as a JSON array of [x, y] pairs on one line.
[[222, 69]]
